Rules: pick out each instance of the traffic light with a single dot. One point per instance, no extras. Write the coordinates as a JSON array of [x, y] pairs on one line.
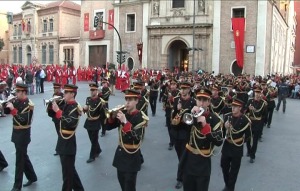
[[96, 21], [123, 58], [118, 58], [10, 17]]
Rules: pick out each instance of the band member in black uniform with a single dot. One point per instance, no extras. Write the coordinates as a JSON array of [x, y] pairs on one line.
[[3, 162], [145, 93], [168, 101], [66, 146], [131, 124], [94, 109], [60, 103], [206, 133], [154, 89], [237, 132], [104, 95], [142, 105], [269, 95], [180, 131], [217, 103], [257, 108], [229, 96], [22, 111]]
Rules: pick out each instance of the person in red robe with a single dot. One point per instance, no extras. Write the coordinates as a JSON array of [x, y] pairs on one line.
[[48, 73], [64, 77], [118, 79], [73, 75], [79, 75]]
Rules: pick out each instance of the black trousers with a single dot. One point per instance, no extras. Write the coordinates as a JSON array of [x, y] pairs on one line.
[[127, 180], [23, 165], [3, 162], [230, 167], [195, 183], [42, 85], [168, 122], [283, 99], [153, 100], [71, 180], [57, 132], [103, 126], [95, 148], [269, 116], [179, 148], [252, 150]]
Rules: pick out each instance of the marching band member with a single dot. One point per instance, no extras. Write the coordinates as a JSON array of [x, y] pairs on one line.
[[66, 145], [94, 109], [256, 111], [269, 95], [217, 103], [237, 132], [131, 127], [168, 101], [104, 94], [154, 88], [179, 130], [142, 105], [60, 103], [22, 112], [206, 133], [3, 162]]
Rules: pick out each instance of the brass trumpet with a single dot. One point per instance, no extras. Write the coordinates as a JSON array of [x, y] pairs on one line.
[[113, 112], [9, 99], [188, 118], [54, 98]]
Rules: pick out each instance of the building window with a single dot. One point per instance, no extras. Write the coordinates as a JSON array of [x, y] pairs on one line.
[[130, 22], [28, 27], [15, 30], [15, 55], [20, 55], [69, 55], [238, 13], [51, 54], [177, 3], [45, 26], [51, 25], [44, 54], [20, 30]]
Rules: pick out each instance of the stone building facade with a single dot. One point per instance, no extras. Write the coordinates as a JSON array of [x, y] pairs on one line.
[[40, 32], [4, 35]]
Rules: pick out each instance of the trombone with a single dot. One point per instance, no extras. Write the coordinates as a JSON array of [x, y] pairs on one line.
[[54, 98], [188, 118]]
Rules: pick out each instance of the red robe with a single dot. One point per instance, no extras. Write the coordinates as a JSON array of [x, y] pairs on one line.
[[58, 74], [64, 77], [79, 75], [73, 76]]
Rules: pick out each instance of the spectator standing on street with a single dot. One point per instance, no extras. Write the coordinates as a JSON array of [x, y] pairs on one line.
[[283, 91], [37, 81], [296, 91], [112, 81], [42, 76], [29, 81]]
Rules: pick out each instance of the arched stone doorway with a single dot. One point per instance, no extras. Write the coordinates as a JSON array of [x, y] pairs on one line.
[[178, 56], [130, 63], [235, 69], [28, 55]]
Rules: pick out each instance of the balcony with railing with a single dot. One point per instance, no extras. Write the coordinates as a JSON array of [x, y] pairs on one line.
[[97, 34]]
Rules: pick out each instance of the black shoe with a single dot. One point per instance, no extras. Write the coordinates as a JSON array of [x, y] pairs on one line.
[[97, 155], [1, 168], [248, 155], [15, 189], [153, 114], [269, 126], [55, 154], [252, 160], [28, 183], [261, 140], [178, 185], [102, 134], [90, 160], [170, 147], [227, 189]]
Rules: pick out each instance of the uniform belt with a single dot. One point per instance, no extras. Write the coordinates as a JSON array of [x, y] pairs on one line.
[[21, 126], [68, 132], [92, 118], [129, 146], [154, 89], [255, 118], [197, 151], [238, 140]]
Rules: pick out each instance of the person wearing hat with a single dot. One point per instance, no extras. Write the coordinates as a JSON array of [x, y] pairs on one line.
[[257, 109], [180, 131], [94, 108], [238, 131], [154, 89], [3, 162], [168, 100], [22, 110], [68, 118], [131, 124], [217, 103], [229, 96], [206, 133], [104, 95], [269, 94], [60, 103], [143, 101]]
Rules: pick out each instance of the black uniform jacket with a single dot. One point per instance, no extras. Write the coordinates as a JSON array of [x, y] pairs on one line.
[[154, 87], [168, 100], [68, 121], [259, 112], [94, 113], [196, 158], [128, 155], [60, 104], [236, 135], [22, 117]]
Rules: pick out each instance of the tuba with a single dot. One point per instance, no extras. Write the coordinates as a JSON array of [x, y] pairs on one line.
[[54, 98], [110, 113], [188, 118]]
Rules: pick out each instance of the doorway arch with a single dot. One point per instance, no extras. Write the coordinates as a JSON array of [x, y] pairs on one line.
[[178, 56], [28, 55], [235, 69]]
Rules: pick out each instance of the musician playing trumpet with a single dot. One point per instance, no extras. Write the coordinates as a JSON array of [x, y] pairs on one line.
[[94, 108], [131, 126], [237, 132], [206, 133]]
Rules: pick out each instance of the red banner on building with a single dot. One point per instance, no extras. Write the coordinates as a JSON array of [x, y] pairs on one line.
[[110, 18], [86, 22], [238, 27]]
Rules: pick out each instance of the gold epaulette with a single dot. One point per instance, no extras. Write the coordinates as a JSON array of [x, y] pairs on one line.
[[31, 105], [144, 116]]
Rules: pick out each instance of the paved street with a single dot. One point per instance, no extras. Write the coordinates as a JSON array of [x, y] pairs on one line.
[[276, 167]]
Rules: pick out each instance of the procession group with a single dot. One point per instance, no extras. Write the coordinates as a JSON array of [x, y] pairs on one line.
[[202, 112]]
